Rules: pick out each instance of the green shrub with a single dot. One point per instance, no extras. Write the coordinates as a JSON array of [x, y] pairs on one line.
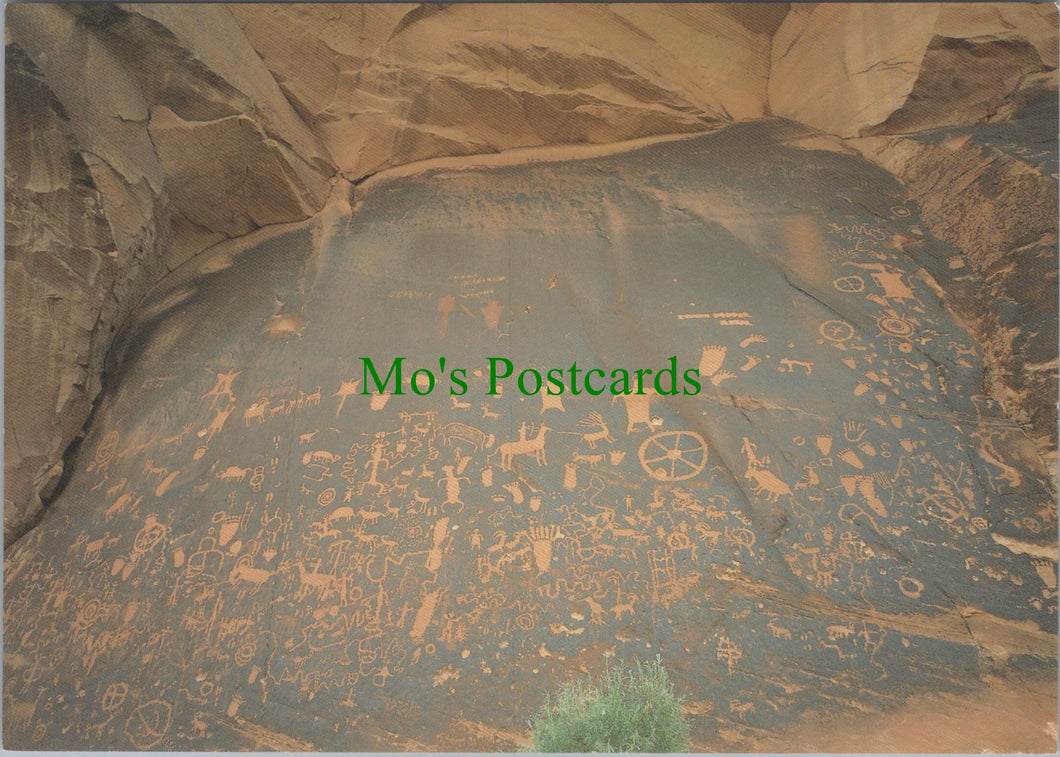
[[631, 710]]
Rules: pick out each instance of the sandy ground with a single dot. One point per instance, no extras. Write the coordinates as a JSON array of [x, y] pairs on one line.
[[1006, 716]]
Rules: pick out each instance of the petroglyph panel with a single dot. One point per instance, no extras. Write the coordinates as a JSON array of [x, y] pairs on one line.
[[245, 534]]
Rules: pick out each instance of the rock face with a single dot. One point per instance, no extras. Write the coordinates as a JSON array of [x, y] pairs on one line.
[[991, 191], [273, 540], [856, 509], [412, 82], [210, 122], [128, 148], [950, 64]]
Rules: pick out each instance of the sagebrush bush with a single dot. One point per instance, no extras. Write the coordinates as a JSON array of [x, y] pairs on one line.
[[630, 710]]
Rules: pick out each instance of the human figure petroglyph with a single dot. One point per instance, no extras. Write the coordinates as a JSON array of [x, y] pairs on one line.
[[820, 568], [275, 525], [378, 447], [462, 461], [451, 481], [222, 387], [534, 447], [217, 424], [426, 472]]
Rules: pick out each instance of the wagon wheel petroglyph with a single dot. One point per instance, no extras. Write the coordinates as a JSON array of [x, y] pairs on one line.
[[673, 455]]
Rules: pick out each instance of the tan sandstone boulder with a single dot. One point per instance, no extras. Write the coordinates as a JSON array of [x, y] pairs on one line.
[[906, 68]]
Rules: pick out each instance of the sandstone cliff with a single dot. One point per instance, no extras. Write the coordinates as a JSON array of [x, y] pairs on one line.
[[187, 185], [204, 123]]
